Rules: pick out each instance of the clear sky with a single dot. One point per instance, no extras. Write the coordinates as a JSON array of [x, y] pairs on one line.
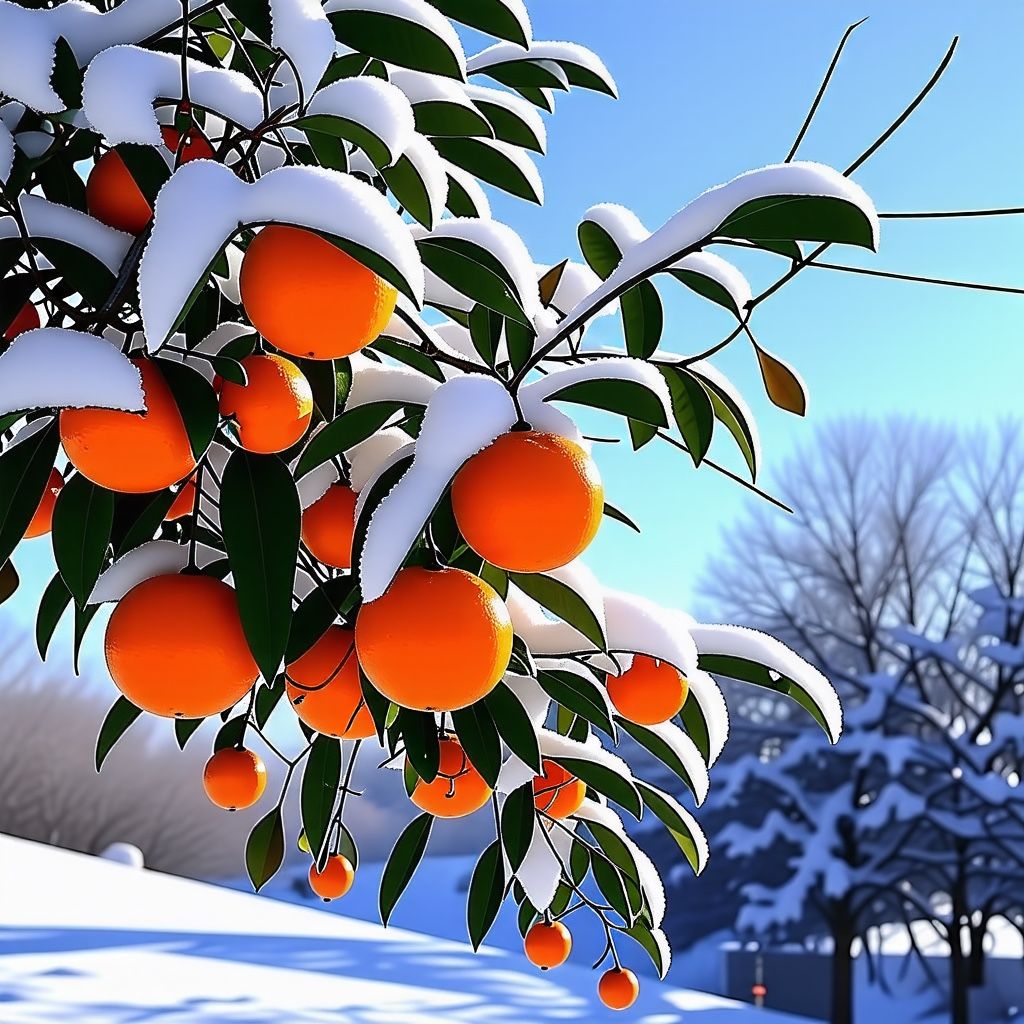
[[711, 89]]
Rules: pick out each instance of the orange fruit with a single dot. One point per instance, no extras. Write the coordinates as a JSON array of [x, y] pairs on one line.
[[437, 640], [184, 503], [335, 880], [529, 502], [273, 409], [196, 145], [323, 687], [548, 945], [234, 779], [328, 525], [458, 789], [649, 691], [618, 988], [308, 298], [129, 451], [175, 647], [557, 791], [26, 319], [42, 518]]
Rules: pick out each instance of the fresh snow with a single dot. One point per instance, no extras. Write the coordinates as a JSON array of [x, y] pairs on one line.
[[431, 170], [301, 30], [521, 109], [204, 204], [154, 558], [566, 55], [122, 84], [93, 373], [6, 152]]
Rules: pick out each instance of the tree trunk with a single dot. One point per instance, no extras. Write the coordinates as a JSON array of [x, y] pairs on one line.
[[959, 978], [976, 971], [842, 973]]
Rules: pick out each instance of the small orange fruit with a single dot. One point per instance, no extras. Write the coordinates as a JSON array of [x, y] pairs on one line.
[[27, 319], [328, 526], [548, 945], [529, 502], [556, 791], [197, 147], [273, 408], [618, 988], [175, 647], [126, 451], [335, 880], [42, 518], [649, 691], [437, 640], [323, 687], [458, 789], [234, 779], [184, 503], [308, 298]]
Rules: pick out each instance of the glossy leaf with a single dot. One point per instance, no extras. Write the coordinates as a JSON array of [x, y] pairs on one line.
[[479, 738], [24, 471], [561, 600], [514, 725], [264, 850], [82, 521], [119, 718], [486, 890], [402, 863]]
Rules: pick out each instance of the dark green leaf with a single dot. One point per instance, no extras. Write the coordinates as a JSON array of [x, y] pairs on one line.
[[82, 520], [320, 780], [642, 319], [479, 737], [561, 600], [514, 725], [668, 811], [491, 16], [396, 40], [315, 613], [609, 881], [414, 357], [231, 733], [352, 131], [254, 15], [490, 164], [441, 118], [376, 493], [485, 332], [598, 248], [606, 781], [56, 597], [625, 397], [264, 850], [137, 517], [402, 863], [184, 729], [651, 741], [643, 935], [267, 698], [147, 167], [24, 472], [728, 412], [406, 182], [197, 402], [486, 890], [344, 433], [521, 662], [517, 822], [579, 695], [799, 218], [696, 726], [419, 730], [67, 76], [9, 580], [507, 126], [619, 516], [691, 409], [119, 718]]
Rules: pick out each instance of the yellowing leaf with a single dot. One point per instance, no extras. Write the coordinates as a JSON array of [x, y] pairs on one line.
[[781, 383]]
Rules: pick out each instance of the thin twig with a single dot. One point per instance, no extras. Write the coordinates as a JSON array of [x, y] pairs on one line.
[[893, 276]]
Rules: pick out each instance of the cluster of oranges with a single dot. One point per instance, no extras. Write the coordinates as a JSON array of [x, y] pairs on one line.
[[438, 640]]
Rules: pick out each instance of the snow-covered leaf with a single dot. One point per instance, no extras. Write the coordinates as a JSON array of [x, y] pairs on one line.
[[441, 105], [301, 30], [419, 181], [6, 152], [680, 823], [732, 411], [511, 118], [204, 205], [466, 198], [497, 163], [670, 745], [506, 19], [154, 558], [571, 593], [512, 65]]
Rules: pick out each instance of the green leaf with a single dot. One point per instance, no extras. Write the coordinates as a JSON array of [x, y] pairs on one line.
[[395, 40], [441, 118], [82, 521], [642, 319], [521, 661], [691, 409], [652, 742], [67, 76], [402, 863], [114, 726], [598, 248], [320, 780], [184, 729], [137, 517], [517, 819], [377, 704], [625, 397], [507, 126], [643, 935], [147, 167], [606, 781], [579, 695], [406, 183], [315, 613], [696, 726], [422, 748], [486, 891], [669, 812], [490, 164], [375, 494], [56, 597], [526, 76], [352, 131], [799, 218], [9, 580], [519, 340], [496, 578], [708, 288], [254, 15], [196, 401], [24, 472], [479, 737], [495, 17], [264, 849], [514, 725], [485, 332], [610, 882], [561, 600], [619, 516], [403, 352], [231, 733], [729, 413], [614, 848], [347, 845], [260, 520], [267, 698], [92, 278], [348, 430]]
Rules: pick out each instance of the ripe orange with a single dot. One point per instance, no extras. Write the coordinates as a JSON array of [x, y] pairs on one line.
[[323, 687], [548, 945], [234, 779], [437, 640], [328, 525], [618, 988], [335, 880], [184, 503], [273, 409], [111, 193], [557, 791], [127, 451], [42, 518], [26, 320], [175, 647], [649, 692], [458, 789], [529, 502], [308, 298]]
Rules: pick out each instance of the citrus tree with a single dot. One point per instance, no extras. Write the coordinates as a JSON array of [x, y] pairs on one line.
[[285, 395]]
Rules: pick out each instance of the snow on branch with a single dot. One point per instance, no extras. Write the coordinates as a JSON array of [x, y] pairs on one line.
[[122, 84], [301, 31], [464, 415], [204, 205], [94, 373]]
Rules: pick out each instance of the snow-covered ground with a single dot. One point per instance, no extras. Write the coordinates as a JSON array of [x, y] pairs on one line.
[[96, 942]]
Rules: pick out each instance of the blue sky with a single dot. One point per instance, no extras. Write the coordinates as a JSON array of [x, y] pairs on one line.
[[711, 89]]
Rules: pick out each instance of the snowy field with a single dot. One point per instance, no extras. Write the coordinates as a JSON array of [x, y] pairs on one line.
[[94, 942]]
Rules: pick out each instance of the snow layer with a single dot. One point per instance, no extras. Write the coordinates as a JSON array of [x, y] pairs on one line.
[[46, 219], [28, 40], [474, 192], [685, 749], [301, 30], [6, 152], [378, 106], [515, 105], [577, 281], [431, 170], [368, 457], [378, 382], [93, 373], [204, 204], [314, 485], [154, 558], [762, 649], [701, 219], [122, 84], [566, 55], [464, 415]]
